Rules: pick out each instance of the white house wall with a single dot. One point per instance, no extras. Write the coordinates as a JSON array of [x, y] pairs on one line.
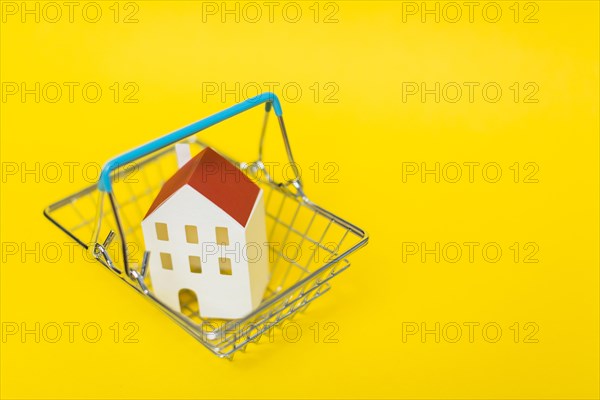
[[256, 234], [219, 296]]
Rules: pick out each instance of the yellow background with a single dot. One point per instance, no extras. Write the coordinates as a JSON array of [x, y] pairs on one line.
[[370, 132]]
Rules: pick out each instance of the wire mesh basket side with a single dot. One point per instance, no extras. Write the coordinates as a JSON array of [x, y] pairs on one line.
[[307, 244]]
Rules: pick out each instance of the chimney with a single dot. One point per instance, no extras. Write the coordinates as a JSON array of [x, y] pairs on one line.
[[184, 154]]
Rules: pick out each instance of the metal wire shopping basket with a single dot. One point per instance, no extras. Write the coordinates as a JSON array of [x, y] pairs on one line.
[[105, 219]]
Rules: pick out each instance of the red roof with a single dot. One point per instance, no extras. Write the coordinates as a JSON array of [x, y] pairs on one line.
[[216, 179]]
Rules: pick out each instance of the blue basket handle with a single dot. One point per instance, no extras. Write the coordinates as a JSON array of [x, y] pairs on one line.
[[105, 184]]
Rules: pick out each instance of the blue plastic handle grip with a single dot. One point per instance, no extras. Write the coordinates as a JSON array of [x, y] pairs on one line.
[[105, 184]]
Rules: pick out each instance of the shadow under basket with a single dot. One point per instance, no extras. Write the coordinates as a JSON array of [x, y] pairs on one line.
[[308, 245]]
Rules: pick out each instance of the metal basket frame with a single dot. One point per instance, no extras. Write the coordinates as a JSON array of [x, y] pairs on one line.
[[223, 338]]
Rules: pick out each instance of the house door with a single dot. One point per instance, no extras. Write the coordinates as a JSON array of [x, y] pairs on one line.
[[188, 302]]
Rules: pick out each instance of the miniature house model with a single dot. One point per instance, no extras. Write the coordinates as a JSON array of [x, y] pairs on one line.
[[206, 235]]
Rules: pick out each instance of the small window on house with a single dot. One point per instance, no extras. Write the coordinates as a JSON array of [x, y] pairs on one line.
[[225, 266], [222, 236], [166, 261], [195, 266], [162, 233], [191, 234]]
